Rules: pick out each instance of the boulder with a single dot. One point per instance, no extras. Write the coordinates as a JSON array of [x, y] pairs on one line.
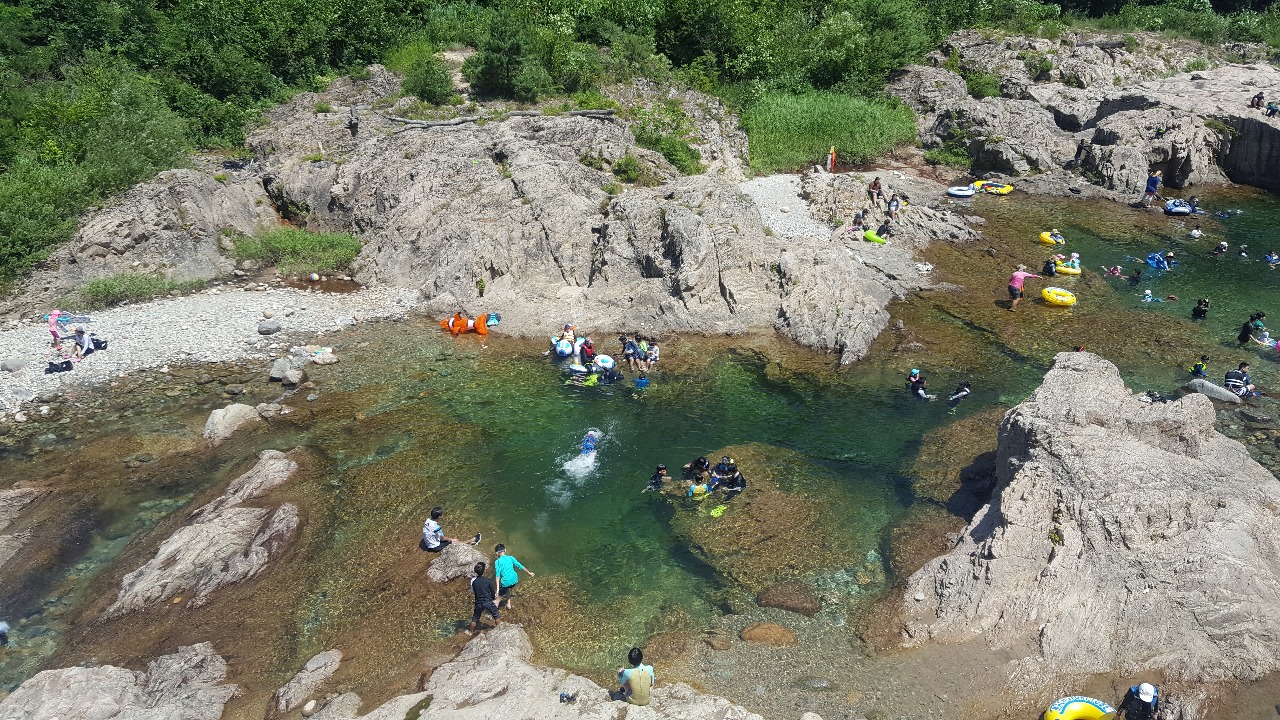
[[187, 685], [279, 367], [293, 378], [324, 358], [1123, 537], [455, 561], [793, 597], [269, 327], [223, 423], [303, 685], [225, 542], [1214, 392], [767, 633], [12, 365]]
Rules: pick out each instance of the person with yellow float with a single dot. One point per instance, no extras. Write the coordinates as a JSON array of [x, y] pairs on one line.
[[1141, 702]]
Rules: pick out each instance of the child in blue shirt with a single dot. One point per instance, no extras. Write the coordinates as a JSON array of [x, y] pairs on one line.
[[504, 568]]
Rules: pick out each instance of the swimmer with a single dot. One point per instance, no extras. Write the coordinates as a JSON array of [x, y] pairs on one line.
[[1272, 258], [961, 390], [1195, 233], [697, 467], [1135, 277], [1244, 251], [1113, 271], [657, 479], [1147, 297], [1201, 310], [915, 375], [1237, 381], [1201, 368], [920, 388], [1220, 249], [1050, 268], [1265, 340], [1056, 236]]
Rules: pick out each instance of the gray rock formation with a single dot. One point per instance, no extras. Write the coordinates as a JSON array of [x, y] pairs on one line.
[[303, 685], [1216, 392], [492, 677], [170, 226], [1123, 537], [455, 561], [1134, 105], [226, 542], [187, 685], [223, 423]]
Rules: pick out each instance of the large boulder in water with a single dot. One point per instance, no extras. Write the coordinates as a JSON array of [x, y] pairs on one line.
[[224, 422], [187, 685], [1215, 392], [1122, 537]]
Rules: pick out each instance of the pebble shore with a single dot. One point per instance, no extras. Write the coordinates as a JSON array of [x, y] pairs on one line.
[[215, 325]]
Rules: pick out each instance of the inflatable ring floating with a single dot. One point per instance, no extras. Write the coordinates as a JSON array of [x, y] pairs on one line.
[[1047, 239], [604, 362], [1177, 207], [459, 324], [871, 236], [1067, 270], [564, 348], [994, 188], [962, 191], [1058, 296], [1078, 707]]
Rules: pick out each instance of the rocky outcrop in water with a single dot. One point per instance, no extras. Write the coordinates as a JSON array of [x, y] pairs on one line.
[[187, 685], [303, 685], [492, 678], [226, 542], [224, 422], [1123, 537], [1133, 103]]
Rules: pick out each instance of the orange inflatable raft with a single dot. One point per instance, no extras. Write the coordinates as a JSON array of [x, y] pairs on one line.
[[459, 324]]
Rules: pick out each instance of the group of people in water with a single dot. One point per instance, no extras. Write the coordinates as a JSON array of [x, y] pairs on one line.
[[701, 479], [591, 368], [919, 388]]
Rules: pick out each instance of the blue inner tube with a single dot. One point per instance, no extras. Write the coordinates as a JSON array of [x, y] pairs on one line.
[[604, 362], [564, 348]]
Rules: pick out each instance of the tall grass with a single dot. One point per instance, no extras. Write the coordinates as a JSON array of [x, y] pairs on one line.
[[298, 251], [791, 131], [130, 287]]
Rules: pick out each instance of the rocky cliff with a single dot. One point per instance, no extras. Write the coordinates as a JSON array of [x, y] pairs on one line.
[[1123, 537], [524, 215], [1138, 103]]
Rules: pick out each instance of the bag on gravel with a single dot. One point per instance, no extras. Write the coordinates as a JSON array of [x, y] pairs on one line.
[[57, 367], [98, 343]]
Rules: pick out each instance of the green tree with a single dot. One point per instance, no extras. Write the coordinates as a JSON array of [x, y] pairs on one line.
[[430, 80]]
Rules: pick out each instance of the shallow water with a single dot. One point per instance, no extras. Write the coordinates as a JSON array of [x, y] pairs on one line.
[[412, 418]]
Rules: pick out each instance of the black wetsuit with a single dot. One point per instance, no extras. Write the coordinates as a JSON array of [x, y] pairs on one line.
[[656, 480], [1050, 267]]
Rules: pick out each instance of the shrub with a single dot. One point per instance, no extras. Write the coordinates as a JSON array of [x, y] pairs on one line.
[[1037, 64], [131, 287], [220, 177], [430, 80], [298, 251], [791, 131], [532, 82], [1196, 65], [685, 157], [949, 156], [627, 168], [323, 107], [593, 100], [981, 85]]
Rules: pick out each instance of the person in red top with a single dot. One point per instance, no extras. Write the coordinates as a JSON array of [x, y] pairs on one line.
[[1018, 277]]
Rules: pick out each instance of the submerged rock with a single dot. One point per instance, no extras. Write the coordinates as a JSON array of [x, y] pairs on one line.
[[187, 685], [225, 543], [793, 597], [1122, 537], [767, 633]]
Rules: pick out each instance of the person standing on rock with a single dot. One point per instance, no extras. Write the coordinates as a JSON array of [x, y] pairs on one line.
[[636, 682], [504, 568], [1140, 703], [1016, 280], [1153, 185], [483, 590]]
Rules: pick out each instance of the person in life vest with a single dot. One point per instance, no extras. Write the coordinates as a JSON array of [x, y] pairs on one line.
[[1201, 368], [1237, 381], [1140, 703]]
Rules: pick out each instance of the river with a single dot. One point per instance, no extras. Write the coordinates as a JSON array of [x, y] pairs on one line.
[[413, 418]]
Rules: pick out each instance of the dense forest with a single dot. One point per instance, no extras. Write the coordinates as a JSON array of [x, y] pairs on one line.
[[98, 94]]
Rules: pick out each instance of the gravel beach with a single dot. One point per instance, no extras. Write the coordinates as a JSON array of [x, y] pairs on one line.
[[782, 207], [217, 324]]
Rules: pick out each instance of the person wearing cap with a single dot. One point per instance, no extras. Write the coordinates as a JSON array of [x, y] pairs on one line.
[[1142, 702], [1016, 280], [1073, 263], [1201, 368], [722, 471], [657, 479], [84, 343], [504, 569], [1056, 236], [735, 482], [1220, 249]]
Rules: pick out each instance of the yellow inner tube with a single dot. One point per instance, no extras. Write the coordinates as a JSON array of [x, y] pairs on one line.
[[1058, 296], [1066, 270], [1078, 707], [1047, 239], [993, 187]]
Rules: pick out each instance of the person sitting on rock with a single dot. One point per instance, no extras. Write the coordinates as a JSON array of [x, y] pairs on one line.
[[433, 539], [697, 467], [637, 681], [894, 207], [1256, 101], [1140, 703], [875, 192], [84, 343], [735, 482], [699, 490], [722, 471], [630, 352]]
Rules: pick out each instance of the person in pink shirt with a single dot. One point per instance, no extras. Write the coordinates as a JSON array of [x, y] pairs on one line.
[[53, 329], [1018, 277]]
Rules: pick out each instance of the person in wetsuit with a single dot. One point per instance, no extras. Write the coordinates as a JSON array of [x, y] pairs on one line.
[[657, 479], [1201, 310], [735, 482], [1050, 268]]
